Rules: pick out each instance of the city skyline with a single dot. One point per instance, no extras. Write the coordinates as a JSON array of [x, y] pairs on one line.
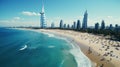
[[24, 13]]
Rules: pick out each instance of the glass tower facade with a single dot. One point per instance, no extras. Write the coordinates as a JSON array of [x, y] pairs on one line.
[[84, 24], [42, 18]]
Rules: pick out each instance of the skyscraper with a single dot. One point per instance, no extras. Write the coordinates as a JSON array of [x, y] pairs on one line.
[[42, 18], [64, 26], [111, 27], [68, 26], [103, 25], [61, 23], [116, 26], [52, 25], [96, 26], [78, 25], [84, 24], [74, 25]]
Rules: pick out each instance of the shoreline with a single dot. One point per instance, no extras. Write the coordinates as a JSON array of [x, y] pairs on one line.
[[76, 44], [75, 50], [74, 47], [94, 52]]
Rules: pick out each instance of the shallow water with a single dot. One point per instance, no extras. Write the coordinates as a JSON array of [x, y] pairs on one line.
[[38, 50]]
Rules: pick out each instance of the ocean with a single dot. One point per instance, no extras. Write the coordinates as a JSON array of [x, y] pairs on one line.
[[25, 48]]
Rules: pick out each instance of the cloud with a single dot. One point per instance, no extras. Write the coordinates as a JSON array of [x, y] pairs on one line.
[[28, 13], [4, 21], [80, 17], [109, 17], [16, 18]]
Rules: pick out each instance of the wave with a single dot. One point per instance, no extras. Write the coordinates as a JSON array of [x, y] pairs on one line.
[[81, 59], [49, 34], [54, 35], [62, 63], [51, 46], [23, 48]]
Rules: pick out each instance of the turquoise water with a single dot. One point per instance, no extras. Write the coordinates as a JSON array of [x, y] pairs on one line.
[[22, 48]]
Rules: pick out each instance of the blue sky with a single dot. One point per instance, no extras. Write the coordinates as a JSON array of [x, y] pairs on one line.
[[26, 12]]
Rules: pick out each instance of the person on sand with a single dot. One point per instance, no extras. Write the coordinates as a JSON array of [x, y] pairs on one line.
[[89, 51], [102, 65], [102, 59]]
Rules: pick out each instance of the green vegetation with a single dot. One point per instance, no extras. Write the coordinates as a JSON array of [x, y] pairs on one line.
[[113, 34]]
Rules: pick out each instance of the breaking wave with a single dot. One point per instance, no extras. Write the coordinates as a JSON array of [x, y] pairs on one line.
[[23, 48]]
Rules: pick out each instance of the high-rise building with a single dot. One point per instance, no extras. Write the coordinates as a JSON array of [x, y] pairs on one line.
[[61, 23], [111, 27], [78, 25], [52, 25], [103, 25], [96, 26], [74, 25], [42, 18], [117, 28], [84, 24], [116, 25], [64, 26], [68, 26]]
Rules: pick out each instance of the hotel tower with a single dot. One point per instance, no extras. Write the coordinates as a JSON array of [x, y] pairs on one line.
[[84, 24], [42, 18]]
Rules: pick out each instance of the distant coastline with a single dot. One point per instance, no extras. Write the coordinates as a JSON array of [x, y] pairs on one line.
[[107, 33]]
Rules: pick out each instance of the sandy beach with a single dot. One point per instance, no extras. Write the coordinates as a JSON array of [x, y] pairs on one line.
[[101, 51]]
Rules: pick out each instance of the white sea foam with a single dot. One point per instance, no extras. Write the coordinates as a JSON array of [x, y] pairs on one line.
[[49, 34], [23, 48], [62, 63], [51, 46], [81, 59], [54, 35]]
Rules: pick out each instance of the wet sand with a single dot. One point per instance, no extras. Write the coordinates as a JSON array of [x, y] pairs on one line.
[[99, 50]]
